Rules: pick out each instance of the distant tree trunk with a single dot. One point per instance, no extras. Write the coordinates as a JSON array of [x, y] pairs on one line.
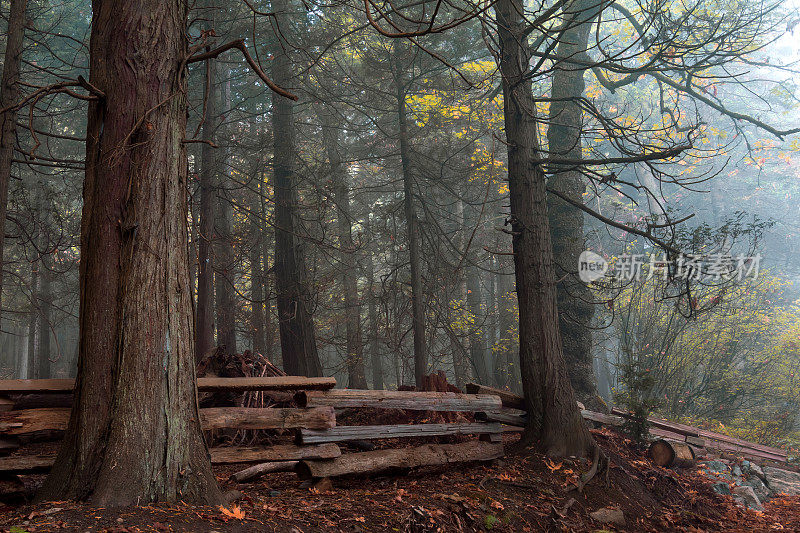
[[477, 353], [356, 376], [256, 268], [45, 299], [553, 417], [507, 370], [134, 435], [372, 312], [457, 350], [412, 223], [9, 95], [298, 344], [224, 258], [566, 221], [33, 320], [204, 334]]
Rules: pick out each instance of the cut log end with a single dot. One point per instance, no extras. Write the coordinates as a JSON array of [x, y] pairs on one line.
[[671, 454]]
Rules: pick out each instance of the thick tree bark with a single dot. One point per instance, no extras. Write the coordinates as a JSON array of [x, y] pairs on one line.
[[412, 223], [566, 221], [298, 344], [204, 333], [134, 433], [9, 94], [224, 258], [554, 418], [356, 376]]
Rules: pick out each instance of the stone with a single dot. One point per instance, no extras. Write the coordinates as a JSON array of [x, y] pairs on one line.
[[720, 487], [748, 497], [716, 469], [782, 481], [758, 486], [607, 515]]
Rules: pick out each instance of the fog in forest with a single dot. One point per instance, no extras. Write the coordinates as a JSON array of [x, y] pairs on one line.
[[363, 221]]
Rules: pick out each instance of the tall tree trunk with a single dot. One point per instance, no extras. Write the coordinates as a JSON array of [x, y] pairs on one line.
[[412, 223], [33, 320], [45, 299], [298, 344], [204, 312], [224, 258], [553, 416], [457, 350], [9, 94], [372, 312], [134, 435], [256, 268], [356, 375], [507, 370], [566, 221]]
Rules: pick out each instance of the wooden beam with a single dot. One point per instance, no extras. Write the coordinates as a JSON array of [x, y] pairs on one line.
[[506, 416], [349, 433], [411, 400], [267, 418], [6, 404], [220, 455], [278, 452], [508, 398], [256, 471], [26, 421], [12, 386], [383, 460]]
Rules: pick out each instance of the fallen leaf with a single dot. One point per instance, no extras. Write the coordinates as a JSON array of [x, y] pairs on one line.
[[234, 512]]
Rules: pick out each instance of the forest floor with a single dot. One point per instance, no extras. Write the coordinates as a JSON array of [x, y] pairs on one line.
[[523, 492]]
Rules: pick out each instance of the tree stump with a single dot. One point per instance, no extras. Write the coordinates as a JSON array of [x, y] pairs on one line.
[[671, 454]]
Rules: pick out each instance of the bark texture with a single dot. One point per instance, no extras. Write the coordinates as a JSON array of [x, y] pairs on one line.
[[134, 434], [9, 94], [566, 221], [298, 344], [554, 418]]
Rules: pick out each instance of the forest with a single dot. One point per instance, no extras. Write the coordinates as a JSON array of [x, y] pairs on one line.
[[585, 208]]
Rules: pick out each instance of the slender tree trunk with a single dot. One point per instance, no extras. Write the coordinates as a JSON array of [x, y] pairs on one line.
[[553, 416], [374, 346], [256, 268], [45, 299], [508, 362], [33, 320], [298, 344], [204, 334], [224, 258], [566, 221], [356, 375], [9, 95], [134, 435], [457, 349], [412, 223]]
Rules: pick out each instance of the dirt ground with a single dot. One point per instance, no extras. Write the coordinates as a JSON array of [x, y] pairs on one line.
[[523, 492]]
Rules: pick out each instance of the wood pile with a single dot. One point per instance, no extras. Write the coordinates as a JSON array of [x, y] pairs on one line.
[[311, 421]]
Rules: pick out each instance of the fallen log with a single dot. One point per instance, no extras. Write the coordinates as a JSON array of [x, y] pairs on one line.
[[6, 404], [384, 460], [278, 452], [27, 421], [509, 399], [266, 418], [219, 456], [13, 386], [510, 417], [671, 454], [411, 400], [713, 439], [256, 471], [349, 433]]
